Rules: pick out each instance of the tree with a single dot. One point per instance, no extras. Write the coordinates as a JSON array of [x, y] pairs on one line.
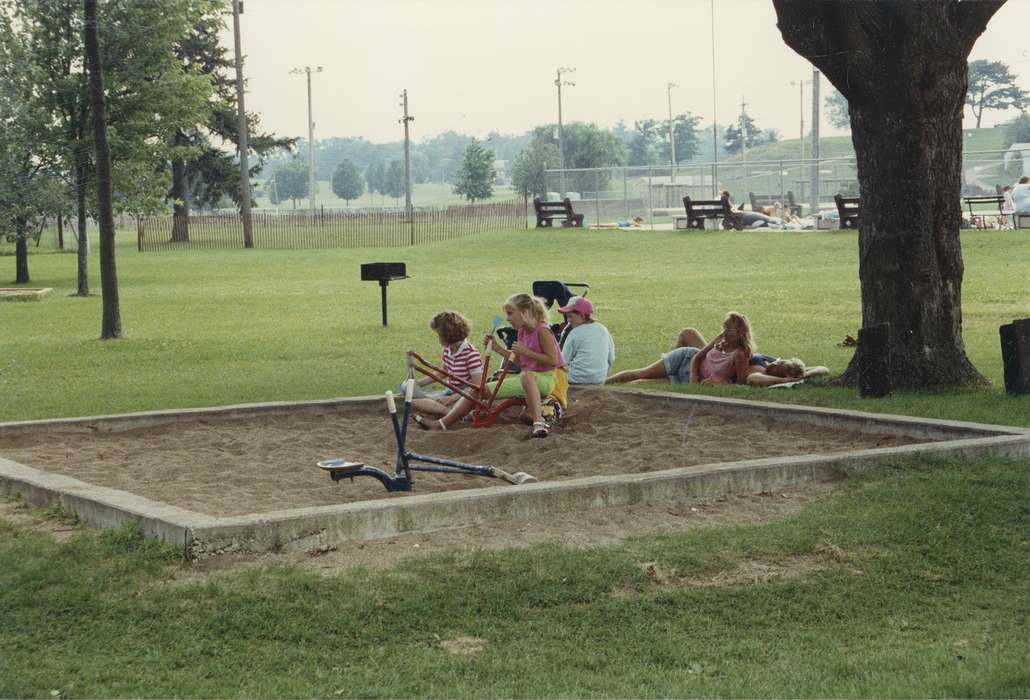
[[645, 143], [753, 135], [375, 176], [837, 110], [111, 326], [476, 175], [347, 181], [528, 175], [688, 143], [393, 179], [291, 181], [903, 69], [586, 146], [205, 169], [992, 86]]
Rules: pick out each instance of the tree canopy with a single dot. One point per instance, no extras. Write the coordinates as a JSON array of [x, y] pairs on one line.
[[992, 86], [476, 176], [291, 181], [347, 181]]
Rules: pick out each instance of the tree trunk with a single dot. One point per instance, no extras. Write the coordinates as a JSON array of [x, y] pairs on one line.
[[903, 69], [82, 252], [111, 325], [60, 231], [181, 195], [21, 252]]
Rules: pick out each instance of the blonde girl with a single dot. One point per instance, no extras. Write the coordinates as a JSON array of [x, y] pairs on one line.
[[535, 349], [694, 361]]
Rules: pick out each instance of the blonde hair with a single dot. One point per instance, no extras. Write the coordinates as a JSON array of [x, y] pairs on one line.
[[745, 337], [451, 326], [532, 308]]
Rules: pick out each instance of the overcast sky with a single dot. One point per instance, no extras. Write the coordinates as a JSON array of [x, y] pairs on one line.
[[480, 65]]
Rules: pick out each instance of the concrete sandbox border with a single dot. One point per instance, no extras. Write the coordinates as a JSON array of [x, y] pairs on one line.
[[202, 535]]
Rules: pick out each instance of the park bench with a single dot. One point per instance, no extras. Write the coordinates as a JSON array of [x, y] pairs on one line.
[[698, 210], [546, 212], [847, 207], [766, 200], [990, 200]]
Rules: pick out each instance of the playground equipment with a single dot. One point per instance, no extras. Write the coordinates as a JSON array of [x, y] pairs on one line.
[[407, 461]]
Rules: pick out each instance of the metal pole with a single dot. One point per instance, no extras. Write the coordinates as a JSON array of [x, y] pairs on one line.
[[407, 166], [311, 150], [715, 119], [672, 132], [815, 141], [248, 231], [801, 111]]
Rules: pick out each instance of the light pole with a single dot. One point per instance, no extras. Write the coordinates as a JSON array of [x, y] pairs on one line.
[[307, 70], [558, 82], [801, 88], [672, 134], [715, 120], [248, 230]]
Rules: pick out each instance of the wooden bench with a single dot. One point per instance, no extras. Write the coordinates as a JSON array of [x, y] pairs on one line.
[[758, 201], [698, 210], [847, 207], [546, 212], [994, 201]]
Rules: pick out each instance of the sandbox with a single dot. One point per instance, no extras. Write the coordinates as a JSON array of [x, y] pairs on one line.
[[243, 478], [24, 293]]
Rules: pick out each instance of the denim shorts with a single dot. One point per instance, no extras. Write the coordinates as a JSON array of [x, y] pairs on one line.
[[677, 364]]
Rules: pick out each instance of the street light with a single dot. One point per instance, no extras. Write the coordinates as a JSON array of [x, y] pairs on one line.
[[672, 135], [558, 82], [307, 70], [801, 88]]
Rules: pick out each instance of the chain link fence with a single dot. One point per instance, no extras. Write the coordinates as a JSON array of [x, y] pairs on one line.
[[614, 195]]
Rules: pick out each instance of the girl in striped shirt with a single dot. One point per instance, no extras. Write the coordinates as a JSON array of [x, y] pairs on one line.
[[461, 359]]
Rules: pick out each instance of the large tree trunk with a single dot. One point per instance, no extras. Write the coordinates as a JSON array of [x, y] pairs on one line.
[[902, 67], [111, 325], [21, 252], [82, 252], [181, 195]]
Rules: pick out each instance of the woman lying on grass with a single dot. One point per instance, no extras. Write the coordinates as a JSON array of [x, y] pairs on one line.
[[728, 357]]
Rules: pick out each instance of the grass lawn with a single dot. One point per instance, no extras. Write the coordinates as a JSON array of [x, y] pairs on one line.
[[912, 580]]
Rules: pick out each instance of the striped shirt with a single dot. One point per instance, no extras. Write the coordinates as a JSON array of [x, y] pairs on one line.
[[464, 362]]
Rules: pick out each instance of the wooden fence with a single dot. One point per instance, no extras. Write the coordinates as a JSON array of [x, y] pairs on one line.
[[349, 228]]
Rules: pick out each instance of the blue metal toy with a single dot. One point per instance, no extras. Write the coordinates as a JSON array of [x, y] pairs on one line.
[[407, 461]]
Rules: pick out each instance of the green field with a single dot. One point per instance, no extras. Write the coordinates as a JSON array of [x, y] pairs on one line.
[[912, 580]]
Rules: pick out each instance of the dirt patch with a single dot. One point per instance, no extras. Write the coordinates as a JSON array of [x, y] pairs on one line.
[[225, 467], [581, 529], [27, 516], [747, 572], [463, 646]]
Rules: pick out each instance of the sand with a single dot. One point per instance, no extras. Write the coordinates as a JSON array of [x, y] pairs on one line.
[[225, 467]]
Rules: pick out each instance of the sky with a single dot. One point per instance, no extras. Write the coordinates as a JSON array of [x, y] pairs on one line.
[[476, 66]]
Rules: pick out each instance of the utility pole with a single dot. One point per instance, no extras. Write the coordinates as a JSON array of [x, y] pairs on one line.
[[311, 139], [407, 165], [558, 82], [801, 111], [248, 230], [715, 120], [815, 141], [672, 133], [743, 131]]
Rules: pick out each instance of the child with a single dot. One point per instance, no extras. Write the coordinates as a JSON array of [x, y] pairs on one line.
[[1008, 207], [537, 351], [460, 359]]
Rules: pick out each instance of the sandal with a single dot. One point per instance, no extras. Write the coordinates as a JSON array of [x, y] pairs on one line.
[[423, 422], [540, 429]]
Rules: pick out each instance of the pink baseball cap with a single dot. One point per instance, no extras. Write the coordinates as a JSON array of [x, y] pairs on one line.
[[578, 304]]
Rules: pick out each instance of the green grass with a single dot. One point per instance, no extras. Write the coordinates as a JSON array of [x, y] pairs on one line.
[[914, 581], [218, 327]]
